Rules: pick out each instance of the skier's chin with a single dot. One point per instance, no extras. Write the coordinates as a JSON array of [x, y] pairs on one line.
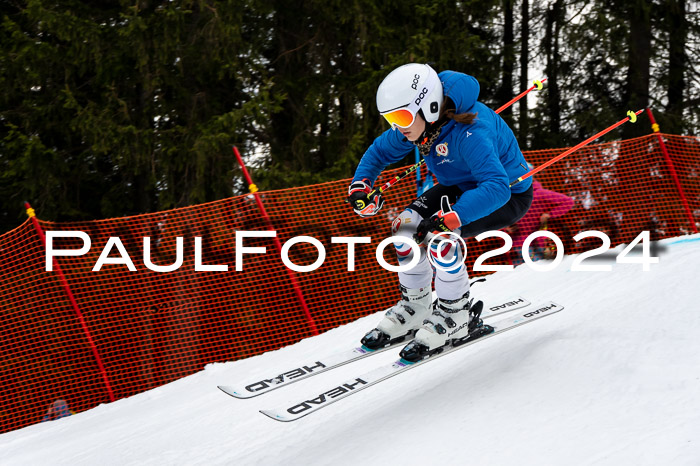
[[409, 135]]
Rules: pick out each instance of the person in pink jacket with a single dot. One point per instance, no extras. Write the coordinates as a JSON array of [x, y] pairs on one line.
[[546, 204]]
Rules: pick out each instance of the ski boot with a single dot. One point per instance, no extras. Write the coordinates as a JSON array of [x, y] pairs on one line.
[[402, 320], [453, 322]]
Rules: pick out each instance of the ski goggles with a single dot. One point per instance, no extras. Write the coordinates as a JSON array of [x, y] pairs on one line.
[[405, 116]]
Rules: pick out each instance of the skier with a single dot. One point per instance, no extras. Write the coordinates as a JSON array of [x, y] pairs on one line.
[[474, 156]]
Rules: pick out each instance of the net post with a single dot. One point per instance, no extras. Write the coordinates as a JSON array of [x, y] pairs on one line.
[[672, 170], [292, 278], [74, 304]]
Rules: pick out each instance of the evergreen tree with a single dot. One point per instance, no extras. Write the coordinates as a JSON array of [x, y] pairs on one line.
[[327, 59], [112, 108], [523, 121], [677, 26], [636, 96], [505, 92], [548, 131], [120, 107]]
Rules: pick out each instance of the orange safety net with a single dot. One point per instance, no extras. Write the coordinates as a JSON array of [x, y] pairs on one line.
[[150, 328]]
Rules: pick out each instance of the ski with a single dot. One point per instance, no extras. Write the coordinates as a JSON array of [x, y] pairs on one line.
[[303, 371], [308, 405]]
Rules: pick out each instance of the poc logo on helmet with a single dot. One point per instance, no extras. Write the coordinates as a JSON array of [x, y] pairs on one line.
[[416, 78], [421, 95]]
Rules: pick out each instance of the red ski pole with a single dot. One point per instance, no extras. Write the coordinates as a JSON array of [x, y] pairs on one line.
[[631, 117], [537, 85]]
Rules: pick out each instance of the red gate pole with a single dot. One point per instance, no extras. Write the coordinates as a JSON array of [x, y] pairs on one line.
[[674, 175], [73, 302], [295, 284]]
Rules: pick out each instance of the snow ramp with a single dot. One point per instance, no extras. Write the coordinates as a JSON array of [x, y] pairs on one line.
[[613, 379]]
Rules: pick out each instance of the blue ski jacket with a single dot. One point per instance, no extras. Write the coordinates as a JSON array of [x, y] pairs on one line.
[[481, 158]]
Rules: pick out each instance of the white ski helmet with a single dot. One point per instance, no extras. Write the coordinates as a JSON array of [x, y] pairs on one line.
[[407, 90]]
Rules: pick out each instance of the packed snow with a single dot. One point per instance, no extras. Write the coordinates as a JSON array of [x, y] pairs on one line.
[[613, 379]]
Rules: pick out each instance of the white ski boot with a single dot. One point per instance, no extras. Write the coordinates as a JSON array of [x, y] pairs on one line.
[[401, 320], [452, 322]]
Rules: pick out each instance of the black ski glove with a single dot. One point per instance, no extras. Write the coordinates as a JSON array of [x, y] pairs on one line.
[[446, 220], [364, 201]]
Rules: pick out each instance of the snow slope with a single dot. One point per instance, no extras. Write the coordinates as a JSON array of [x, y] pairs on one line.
[[614, 379]]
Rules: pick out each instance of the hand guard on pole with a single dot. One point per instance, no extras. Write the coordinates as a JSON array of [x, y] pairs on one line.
[[445, 221], [364, 201]]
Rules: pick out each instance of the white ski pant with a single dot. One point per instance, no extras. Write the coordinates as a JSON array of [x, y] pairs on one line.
[[446, 261]]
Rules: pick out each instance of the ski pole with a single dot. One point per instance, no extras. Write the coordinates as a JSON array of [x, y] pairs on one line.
[[631, 117], [537, 85], [361, 205]]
